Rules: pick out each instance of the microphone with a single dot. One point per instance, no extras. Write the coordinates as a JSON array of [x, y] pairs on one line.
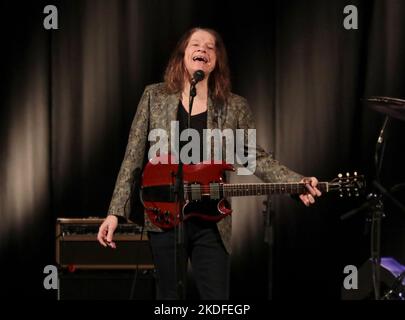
[[197, 77]]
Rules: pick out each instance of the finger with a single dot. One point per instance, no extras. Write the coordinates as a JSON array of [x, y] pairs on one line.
[[311, 190], [101, 235], [304, 199], [314, 182], [110, 234], [311, 199]]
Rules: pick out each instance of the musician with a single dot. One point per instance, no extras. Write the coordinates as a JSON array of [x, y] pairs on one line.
[[208, 244]]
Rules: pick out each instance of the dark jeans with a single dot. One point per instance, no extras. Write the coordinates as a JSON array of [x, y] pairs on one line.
[[208, 256]]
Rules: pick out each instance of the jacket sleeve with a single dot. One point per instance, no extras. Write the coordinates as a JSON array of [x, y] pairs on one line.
[[266, 167], [134, 156]]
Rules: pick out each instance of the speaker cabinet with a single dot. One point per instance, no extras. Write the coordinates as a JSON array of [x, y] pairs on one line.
[[77, 246]]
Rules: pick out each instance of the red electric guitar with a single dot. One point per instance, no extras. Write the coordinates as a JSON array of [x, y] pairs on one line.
[[205, 193]]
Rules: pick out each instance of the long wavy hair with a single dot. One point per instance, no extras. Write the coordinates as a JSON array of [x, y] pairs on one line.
[[219, 82]]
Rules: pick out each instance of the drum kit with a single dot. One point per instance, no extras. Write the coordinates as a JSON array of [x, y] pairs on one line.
[[374, 204]]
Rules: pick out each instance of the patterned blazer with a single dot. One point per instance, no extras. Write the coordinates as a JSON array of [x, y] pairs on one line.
[[156, 109]]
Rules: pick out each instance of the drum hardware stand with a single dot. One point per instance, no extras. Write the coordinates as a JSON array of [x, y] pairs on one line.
[[397, 291], [375, 207]]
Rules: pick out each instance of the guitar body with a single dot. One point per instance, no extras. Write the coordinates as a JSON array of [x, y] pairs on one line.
[[159, 197]]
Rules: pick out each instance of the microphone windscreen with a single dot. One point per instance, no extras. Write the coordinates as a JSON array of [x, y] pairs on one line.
[[198, 75]]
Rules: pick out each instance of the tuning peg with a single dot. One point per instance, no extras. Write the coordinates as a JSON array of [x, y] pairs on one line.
[[347, 174], [340, 175], [355, 173]]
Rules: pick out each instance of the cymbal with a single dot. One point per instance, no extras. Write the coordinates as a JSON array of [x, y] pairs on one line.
[[392, 107]]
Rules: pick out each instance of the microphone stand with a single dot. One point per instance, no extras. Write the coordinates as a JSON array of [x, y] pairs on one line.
[[179, 198]]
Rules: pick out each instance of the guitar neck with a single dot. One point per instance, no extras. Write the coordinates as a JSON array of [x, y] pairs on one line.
[[252, 189]]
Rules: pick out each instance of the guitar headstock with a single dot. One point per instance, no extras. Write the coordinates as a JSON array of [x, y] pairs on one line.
[[348, 185]]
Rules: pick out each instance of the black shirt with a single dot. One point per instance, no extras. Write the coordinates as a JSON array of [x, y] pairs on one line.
[[198, 122]]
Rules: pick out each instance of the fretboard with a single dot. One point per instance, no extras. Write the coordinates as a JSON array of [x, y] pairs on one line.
[[254, 189]]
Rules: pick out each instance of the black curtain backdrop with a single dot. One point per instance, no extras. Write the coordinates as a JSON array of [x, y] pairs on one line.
[[68, 97]]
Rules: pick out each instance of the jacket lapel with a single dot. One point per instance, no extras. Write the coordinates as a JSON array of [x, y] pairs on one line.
[[172, 105], [211, 116]]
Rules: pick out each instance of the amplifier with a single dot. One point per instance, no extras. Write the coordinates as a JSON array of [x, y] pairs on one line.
[[77, 246]]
